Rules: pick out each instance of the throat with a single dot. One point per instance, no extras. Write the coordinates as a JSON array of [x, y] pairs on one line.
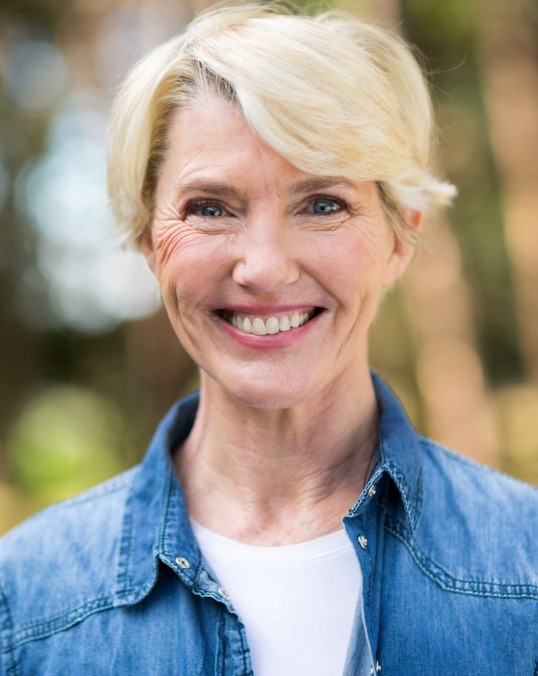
[[269, 499], [253, 473]]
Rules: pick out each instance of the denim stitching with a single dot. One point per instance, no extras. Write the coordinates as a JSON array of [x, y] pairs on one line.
[[413, 508], [245, 652], [43, 629], [370, 585], [167, 505], [125, 552], [12, 669], [458, 585], [419, 501]]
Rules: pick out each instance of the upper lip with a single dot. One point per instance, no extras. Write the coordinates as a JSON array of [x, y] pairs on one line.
[[260, 310]]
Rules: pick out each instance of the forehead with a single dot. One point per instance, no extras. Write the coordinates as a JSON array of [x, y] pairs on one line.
[[213, 133], [211, 143]]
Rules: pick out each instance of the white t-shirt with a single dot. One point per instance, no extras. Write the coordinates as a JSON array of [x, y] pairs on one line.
[[297, 602]]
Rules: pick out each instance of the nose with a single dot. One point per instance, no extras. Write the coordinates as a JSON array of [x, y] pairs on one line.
[[265, 260]]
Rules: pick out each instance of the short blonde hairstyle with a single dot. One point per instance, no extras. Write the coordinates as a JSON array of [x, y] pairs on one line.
[[332, 94]]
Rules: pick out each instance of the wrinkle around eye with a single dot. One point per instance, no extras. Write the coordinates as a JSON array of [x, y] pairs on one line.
[[211, 224], [167, 239], [326, 222]]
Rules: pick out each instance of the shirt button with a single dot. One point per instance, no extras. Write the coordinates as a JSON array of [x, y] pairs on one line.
[[372, 491], [363, 541], [182, 562], [222, 592]]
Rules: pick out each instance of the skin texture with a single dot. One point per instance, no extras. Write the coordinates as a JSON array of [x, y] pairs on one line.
[[287, 423]]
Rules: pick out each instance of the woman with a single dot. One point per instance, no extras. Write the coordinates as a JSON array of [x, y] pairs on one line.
[[274, 171]]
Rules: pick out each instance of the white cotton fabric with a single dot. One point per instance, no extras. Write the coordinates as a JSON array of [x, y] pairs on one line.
[[297, 601]]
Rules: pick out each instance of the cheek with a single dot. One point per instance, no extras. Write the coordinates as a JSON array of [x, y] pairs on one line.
[[189, 265], [350, 264], [173, 244]]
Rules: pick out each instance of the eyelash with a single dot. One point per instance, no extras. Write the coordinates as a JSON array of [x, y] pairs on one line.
[[197, 204], [342, 206]]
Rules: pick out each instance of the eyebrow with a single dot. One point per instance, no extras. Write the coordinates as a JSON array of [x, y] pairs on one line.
[[307, 185], [214, 188], [316, 183]]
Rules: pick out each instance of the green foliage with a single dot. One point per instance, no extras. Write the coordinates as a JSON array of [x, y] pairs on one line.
[[65, 439]]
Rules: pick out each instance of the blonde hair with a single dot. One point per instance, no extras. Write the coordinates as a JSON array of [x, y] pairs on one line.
[[332, 94]]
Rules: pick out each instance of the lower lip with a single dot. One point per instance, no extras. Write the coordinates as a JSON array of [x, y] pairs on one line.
[[275, 340]]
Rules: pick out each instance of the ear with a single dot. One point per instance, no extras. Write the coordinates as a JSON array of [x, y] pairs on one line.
[[145, 243], [403, 249]]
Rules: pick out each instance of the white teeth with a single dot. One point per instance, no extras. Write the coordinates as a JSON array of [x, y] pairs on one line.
[[258, 327], [273, 325], [295, 320], [284, 324]]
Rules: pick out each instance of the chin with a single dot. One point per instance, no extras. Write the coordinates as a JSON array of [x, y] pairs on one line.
[[267, 398], [266, 402], [264, 396]]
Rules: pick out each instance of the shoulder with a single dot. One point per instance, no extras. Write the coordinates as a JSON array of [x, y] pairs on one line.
[[469, 483], [71, 520], [477, 519], [65, 555]]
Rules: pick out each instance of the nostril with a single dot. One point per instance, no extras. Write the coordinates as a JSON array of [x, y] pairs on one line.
[[266, 270]]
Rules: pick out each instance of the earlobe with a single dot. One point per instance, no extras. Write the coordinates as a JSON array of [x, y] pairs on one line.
[[403, 249], [414, 218], [145, 243], [398, 261]]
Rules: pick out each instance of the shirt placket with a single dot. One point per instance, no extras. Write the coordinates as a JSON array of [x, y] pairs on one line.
[[364, 526], [232, 652]]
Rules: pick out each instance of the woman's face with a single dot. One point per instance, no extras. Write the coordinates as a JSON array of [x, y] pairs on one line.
[[271, 276]]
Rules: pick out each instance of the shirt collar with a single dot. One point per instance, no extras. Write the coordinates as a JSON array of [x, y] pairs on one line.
[[399, 450], [156, 518]]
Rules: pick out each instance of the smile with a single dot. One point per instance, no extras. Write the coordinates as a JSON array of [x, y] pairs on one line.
[[258, 326]]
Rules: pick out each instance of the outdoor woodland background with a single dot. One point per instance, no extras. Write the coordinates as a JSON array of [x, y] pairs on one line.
[[88, 363]]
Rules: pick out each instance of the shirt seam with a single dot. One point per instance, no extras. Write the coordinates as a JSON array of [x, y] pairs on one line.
[[7, 650], [451, 583], [59, 623]]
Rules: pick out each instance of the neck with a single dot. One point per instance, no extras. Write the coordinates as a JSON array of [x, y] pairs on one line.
[[279, 476]]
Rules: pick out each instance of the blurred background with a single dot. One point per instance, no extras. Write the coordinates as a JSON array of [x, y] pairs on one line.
[[88, 363]]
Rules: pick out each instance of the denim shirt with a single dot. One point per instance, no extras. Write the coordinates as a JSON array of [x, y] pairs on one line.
[[112, 581]]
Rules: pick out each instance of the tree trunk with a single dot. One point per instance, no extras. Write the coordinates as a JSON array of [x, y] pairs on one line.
[[457, 410], [507, 39]]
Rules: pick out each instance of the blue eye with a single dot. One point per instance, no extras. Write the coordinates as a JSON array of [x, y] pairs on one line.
[[205, 208], [325, 206], [211, 211]]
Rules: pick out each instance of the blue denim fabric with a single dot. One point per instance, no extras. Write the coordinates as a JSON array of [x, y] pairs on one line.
[[112, 582]]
